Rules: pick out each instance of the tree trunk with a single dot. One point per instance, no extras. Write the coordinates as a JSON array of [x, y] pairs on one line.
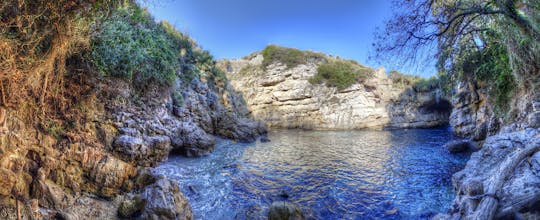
[[489, 204]]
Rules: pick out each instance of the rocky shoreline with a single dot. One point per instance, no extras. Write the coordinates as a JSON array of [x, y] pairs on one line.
[[109, 167], [500, 181]]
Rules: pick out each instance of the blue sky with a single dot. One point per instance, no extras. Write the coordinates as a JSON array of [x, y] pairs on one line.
[[235, 28]]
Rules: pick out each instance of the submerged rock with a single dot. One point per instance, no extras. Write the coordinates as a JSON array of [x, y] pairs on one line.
[[459, 146], [265, 139], [285, 211]]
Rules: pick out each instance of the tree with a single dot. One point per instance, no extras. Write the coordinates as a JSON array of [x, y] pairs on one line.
[[454, 25]]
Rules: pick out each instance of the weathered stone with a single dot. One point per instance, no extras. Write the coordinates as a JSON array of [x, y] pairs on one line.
[[165, 201], [520, 185], [264, 139], [459, 146], [473, 187], [130, 146], [285, 211], [190, 140], [7, 181], [535, 163], [480, 132]]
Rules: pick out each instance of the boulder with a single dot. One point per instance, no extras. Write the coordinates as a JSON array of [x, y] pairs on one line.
[[130, 147], [285, 211], [480, 132], [240, 129], [459, 146], [190, 140], [165, 201]]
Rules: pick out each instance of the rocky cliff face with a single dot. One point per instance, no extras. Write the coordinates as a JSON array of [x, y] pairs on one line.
[[284, 98], [103, 164], [500, 181]]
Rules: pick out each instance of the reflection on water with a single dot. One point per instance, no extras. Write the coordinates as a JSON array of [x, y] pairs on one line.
[[401, 174]]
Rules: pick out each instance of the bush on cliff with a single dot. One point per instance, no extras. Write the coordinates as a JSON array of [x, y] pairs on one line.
[[402, 80], [491, 67], [289, 56], [131, 45], [341, 73]]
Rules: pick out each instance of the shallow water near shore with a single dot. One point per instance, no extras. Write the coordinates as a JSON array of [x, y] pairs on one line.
[[397, 174]]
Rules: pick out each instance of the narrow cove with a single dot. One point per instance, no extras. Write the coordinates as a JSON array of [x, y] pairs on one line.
[[396, 174]]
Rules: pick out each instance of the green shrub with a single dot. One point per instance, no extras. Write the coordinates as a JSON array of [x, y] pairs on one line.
[[402, 80], [289, 56], [341, 74], [131, 45], [425, 85], [494, 69]]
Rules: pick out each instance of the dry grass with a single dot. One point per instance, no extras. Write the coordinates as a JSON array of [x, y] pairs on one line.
[[36, 40]]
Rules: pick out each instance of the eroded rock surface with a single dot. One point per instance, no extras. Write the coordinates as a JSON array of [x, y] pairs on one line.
[[86, 172], [520, 190], [284, 98]]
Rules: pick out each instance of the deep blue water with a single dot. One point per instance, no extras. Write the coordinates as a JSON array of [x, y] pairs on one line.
[[398, 174]]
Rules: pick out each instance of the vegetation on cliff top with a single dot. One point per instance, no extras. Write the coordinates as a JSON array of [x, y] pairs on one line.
[[289, 56], [341, 73], [420, 84]]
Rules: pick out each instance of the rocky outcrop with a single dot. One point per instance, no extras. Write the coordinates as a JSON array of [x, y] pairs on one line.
[[90, 171], [419, 108], [501, 180], [163, 200], [472, 115], [284, 98]]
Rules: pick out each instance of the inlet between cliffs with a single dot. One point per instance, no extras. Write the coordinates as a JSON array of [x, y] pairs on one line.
[[397, 174]]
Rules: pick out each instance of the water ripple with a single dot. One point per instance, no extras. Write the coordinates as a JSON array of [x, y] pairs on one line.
[[402, 174]]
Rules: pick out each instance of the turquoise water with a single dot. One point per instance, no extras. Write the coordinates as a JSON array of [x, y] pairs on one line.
[[399, 174]]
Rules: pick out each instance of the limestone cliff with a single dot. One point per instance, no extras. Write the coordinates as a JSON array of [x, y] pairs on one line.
[[284, 98]]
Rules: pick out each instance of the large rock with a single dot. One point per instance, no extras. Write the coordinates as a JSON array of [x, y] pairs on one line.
[[282, 210], [165, 201], [241, 129], [191, 140], [473, 116]]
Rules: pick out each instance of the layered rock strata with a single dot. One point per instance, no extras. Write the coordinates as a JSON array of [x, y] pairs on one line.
[[284, 98]]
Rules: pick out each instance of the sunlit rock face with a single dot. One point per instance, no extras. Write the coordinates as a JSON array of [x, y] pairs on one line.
[[284, 98]]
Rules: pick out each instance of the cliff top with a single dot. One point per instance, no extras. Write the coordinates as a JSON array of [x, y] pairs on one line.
[[331, 71]]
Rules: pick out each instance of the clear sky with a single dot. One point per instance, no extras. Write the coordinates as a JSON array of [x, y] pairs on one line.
[[236, 28]]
